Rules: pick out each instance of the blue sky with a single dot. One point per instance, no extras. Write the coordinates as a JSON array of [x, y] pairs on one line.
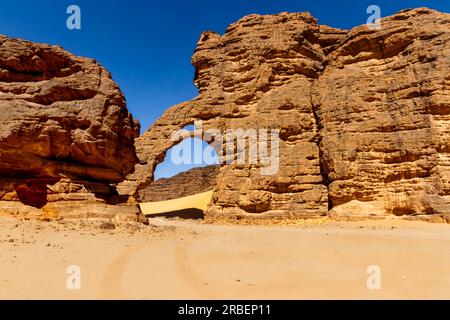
[[147, 45]]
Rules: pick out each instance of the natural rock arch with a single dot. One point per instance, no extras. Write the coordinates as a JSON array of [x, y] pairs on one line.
[[153, 149], [234, 97], [340, 149]]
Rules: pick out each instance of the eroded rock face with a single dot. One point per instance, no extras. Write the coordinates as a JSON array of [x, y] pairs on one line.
[[257, 75], [363, 116], [383, 103], [65, 133]]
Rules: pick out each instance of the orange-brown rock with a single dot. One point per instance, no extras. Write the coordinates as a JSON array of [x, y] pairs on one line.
[[383, 104], [257, 75], [363, 116], [65, 133]]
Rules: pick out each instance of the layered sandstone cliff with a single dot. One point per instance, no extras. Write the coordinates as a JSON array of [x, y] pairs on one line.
[[383, 104], [364, 116], [66, 136]]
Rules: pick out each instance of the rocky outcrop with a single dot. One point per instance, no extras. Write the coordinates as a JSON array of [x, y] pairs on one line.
[[363, 116], [184, 184], [66, 136], [254, 76], [383, 104]]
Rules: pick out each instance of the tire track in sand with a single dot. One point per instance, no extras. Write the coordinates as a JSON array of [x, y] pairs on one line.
[[193, 279], [110, 288]]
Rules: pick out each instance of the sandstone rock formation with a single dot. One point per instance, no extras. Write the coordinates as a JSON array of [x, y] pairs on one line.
[[364, 116], [184, 184], [66, 136], [383, 104]]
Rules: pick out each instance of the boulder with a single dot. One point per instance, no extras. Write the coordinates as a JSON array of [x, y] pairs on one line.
[[66, 136]]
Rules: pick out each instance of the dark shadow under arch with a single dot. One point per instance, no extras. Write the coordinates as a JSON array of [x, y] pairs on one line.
[[187, 214]]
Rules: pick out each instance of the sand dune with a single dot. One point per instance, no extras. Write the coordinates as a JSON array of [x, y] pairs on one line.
[[198, 201]]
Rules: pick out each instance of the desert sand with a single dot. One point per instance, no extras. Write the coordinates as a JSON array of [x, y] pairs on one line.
[[174, 259]]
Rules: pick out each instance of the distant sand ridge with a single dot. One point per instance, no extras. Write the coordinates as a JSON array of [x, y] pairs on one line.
[[186, 205]]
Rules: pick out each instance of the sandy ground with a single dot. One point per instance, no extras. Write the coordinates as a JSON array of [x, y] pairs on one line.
[[191, 260]]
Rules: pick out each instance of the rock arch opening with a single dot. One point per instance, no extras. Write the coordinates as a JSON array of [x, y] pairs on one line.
[[191, 153], [183, 182]]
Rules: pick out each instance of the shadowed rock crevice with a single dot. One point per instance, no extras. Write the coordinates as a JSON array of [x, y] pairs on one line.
[[32, 194], [323, 164]]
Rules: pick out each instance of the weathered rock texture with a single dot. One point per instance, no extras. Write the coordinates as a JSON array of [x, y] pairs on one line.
[[192, 182], [383, 104], [66, 135], [364, 116]]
